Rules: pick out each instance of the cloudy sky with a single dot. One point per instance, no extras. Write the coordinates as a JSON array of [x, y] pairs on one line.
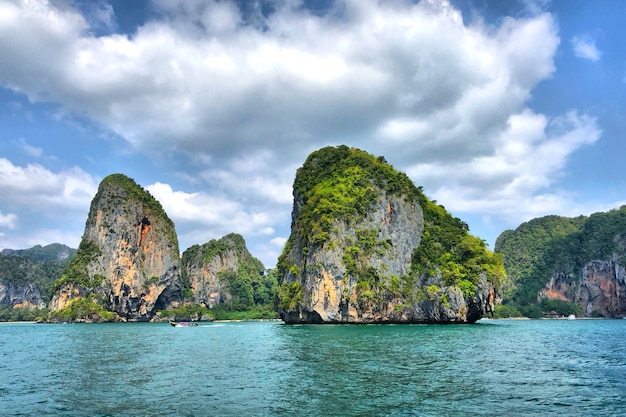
[[502, 111]]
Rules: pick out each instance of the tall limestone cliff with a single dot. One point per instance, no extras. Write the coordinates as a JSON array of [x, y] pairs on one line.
[[366, 246], [128, 260], [580, 260], [223, 272]]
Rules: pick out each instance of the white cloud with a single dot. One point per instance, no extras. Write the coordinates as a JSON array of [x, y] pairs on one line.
[[444, 101], [43, 236], [52, 206], [34, 185], [8, 220], [279, 241], [585, 47], [201, 216], [515, 181]]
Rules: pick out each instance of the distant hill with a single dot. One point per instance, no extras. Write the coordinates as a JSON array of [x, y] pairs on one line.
[[38, 253], [27, 275], [576, 260]]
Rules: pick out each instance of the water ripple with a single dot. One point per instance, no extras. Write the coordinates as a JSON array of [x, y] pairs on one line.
[[512, 368]]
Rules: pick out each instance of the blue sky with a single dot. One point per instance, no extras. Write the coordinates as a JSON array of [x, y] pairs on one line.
[[502, 111]]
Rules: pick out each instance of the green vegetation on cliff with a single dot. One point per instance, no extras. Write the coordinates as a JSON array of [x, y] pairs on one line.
[[543, 246], [448, 248], [337, 183], [532, 251], [343, 184], [83, 309], [76, 272], [250, 288], [21, 269]]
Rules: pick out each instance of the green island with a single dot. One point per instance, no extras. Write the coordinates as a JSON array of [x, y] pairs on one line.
[[341, 184]]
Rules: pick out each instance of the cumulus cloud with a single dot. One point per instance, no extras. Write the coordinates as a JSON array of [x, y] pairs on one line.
[[7, 220], [35, 198], [202, 216], [515, 181], [585, 47], [197, 86], [246, 96], [35, 185]]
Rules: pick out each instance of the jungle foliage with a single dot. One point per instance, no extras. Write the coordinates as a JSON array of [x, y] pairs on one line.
[[76, 272], [342, 184], [448, 248], [84, 308], [39, 268], [338, 183], [250, 287], [550, 244], [22, 314]]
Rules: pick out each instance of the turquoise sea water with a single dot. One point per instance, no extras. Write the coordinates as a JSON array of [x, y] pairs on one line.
[[493, 368]]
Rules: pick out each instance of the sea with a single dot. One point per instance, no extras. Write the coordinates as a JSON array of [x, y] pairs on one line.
[[491, 368]]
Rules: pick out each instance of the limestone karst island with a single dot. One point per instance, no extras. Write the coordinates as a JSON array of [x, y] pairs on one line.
[[366, 246]]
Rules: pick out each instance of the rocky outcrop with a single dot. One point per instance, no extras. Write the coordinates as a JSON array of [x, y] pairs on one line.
[[356, 223], [599, 289], [20, 295], [579, 260], [128, 259], [211, 271]]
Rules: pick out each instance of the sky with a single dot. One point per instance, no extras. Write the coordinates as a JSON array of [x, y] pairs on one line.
[[501, 111]]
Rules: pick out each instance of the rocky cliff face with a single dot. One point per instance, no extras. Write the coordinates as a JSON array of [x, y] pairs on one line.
[[356, 223], [209, 270], [599, 289], [579, 260], [20, 295], [27, 275], [128, 259]]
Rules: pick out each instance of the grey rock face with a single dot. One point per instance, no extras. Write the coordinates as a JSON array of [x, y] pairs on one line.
[[208, 289], [330, 290], [25, 295], [599, 288], [209, 267]]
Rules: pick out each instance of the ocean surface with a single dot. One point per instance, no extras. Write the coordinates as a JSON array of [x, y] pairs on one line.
[[492, 368]]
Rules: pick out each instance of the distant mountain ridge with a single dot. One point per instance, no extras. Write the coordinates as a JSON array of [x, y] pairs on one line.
[[51, 252]]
